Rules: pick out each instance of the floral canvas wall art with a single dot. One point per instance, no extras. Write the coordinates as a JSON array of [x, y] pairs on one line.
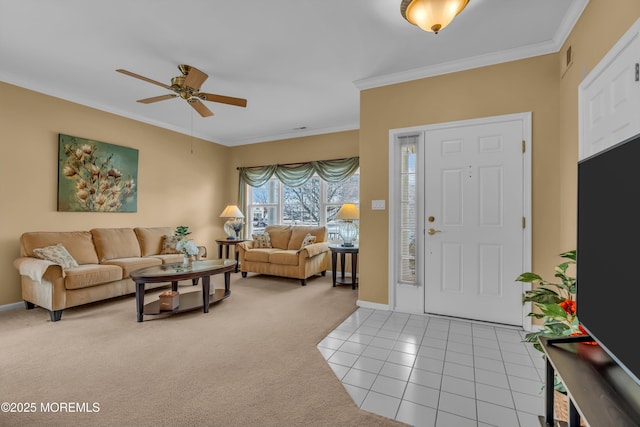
[[96, 176]]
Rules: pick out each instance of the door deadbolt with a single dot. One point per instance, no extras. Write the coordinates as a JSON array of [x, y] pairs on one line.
[[431, 219], [432, 231]]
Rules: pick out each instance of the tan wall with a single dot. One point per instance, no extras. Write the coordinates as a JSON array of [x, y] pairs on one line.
[[175, 186], [318, 147], [528, 85]]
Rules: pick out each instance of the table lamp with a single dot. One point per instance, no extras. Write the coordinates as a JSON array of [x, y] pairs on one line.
[[348, 231], [234, 224]]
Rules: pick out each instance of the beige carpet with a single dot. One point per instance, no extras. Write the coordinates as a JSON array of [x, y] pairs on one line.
[[251, 361]]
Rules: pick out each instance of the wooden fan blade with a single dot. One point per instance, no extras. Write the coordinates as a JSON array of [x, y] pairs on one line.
[[157, 98], [224, 99], [146, 79], [200, 107], [195, 78]]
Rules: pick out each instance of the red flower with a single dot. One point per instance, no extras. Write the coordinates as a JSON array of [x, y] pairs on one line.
[[569, 306], [583, 332]]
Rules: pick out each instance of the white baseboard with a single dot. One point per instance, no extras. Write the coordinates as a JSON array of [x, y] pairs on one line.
[[372, 305], [12, 306]]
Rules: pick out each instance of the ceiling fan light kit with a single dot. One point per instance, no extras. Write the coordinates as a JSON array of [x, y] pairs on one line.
[[187, 86], [431, 15]]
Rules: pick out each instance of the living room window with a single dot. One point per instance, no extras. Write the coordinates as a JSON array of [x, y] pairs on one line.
[[309, 193], [316, 202]]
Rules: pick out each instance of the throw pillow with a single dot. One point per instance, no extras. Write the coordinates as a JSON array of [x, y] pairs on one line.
[[262, 240], [309, 239], [57, 254], [169, 244]]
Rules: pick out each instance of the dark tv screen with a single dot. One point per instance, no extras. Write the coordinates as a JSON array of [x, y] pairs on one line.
[[608, 251]]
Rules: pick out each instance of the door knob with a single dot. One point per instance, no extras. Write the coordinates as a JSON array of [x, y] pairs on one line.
[[432, 231]]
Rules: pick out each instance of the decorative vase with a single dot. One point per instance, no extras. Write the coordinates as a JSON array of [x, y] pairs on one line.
[[187, 260]]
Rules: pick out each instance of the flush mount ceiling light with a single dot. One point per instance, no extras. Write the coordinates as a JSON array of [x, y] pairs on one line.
[[431, 15]]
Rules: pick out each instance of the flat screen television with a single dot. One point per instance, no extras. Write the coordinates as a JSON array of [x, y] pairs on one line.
[[608, 251]]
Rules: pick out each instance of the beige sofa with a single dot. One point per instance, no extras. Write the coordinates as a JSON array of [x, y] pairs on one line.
[[105, 257], [286, 257]]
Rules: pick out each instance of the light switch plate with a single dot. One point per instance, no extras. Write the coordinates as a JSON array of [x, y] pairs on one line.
[[377, 205]]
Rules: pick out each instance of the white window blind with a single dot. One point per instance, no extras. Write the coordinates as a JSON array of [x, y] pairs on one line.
[[408, 209]]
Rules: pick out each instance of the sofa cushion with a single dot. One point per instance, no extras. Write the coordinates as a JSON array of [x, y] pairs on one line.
[[289, 257], [58, 254], [169, 243], [309, 239], [259, 255], [151, 238], [299, 232], [131, 264], [168, 258], [88, 275], [79, 244], [280, 235], [261, 240], [112, 243]]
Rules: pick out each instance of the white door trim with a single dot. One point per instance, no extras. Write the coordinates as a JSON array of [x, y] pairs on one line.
[[410, 298], [594, 79]]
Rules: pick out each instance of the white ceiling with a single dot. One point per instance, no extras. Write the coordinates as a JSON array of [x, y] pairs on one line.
[[299, 63]]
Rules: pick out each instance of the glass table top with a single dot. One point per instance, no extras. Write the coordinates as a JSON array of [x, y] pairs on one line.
[[180, 268]]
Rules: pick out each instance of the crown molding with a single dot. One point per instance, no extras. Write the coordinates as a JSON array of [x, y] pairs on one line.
[[296, 134], [551, 46], [85, 102]]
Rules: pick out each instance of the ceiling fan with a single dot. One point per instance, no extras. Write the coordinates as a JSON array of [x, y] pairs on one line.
[[187, 86]]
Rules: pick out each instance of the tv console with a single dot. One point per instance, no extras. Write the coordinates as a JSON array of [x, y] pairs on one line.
[[598, 388]]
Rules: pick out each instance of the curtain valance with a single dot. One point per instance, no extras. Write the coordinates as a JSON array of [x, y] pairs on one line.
[[295, 175]]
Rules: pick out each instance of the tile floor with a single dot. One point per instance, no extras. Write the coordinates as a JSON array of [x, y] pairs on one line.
[[437, 372]]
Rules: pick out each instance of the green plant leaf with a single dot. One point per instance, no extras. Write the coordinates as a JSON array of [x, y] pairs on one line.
[[552, 310], [558, 385], [561, 268], [528, 277], [569, 254], [543, 295]]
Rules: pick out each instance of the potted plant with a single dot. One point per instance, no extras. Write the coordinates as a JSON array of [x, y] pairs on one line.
[[556, 302], [184, 246], [182, 231], [557, 305]]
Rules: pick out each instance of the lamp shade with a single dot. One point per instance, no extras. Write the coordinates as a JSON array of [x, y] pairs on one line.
[[431, 15], [231, 211], [348, 212]]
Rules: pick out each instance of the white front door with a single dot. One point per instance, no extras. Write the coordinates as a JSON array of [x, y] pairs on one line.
[[474, 210]]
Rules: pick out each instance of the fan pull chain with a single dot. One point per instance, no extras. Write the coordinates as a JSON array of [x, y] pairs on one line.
[[191, 115]]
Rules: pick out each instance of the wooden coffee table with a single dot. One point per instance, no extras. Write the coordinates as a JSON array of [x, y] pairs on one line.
[[174, 273]]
